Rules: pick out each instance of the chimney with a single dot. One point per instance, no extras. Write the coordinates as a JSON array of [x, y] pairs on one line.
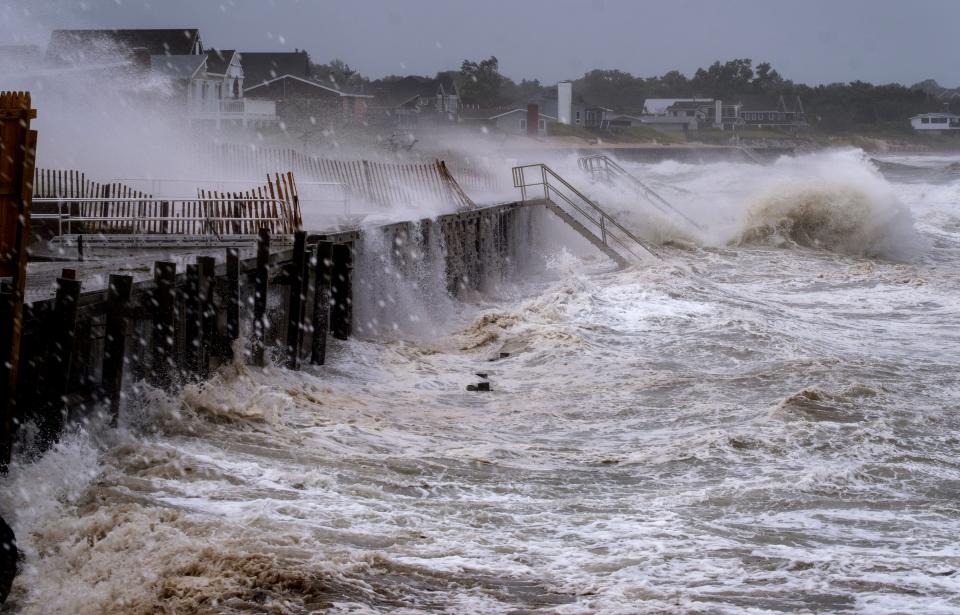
[[564, 102], [533, 119]]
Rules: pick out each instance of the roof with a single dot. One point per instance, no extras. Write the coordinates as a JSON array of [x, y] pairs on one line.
[[312, 82], [77, 46], [937, 114], [398, 92], [492, 114], [218, 60], [178, 67], [768, 103], [259, 67]]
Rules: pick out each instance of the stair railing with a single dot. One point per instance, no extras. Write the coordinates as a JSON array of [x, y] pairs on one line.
[[560, 193]]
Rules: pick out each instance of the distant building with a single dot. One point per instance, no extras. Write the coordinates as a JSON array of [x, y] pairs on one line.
[[302, 101], [506, 120], [771, 113], [205, 87], [624, 120], [936, 122], [414, 102], [758, 112], [210, 89]]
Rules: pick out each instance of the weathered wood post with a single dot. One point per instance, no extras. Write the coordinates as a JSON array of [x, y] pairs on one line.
[[341, 316], [59, 355], [18, 146], [233, 301], [164, 335], [115, 341], [297, 302], [193, 330], [323, 274], [206, 269], [261, 279]]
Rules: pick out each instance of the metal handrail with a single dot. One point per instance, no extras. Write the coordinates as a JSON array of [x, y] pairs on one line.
[[603, 220], [614, 170]]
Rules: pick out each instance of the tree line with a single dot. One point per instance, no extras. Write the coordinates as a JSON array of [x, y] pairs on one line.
[[835, 107]]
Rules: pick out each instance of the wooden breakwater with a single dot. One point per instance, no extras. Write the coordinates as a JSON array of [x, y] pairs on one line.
[[82, 350]]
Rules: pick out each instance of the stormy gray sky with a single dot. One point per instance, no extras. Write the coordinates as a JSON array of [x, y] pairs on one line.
[[815, 41]]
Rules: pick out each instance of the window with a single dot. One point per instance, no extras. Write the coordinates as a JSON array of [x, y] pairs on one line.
[[925, 120], [523, 123], [542, 125], [578, 118]]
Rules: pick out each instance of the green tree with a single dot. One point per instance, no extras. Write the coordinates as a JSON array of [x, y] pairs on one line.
[[481, 82]]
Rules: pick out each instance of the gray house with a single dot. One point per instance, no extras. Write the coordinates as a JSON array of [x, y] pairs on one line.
[[506, 120]]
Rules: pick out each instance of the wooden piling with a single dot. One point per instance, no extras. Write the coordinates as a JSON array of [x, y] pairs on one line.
[[232, 300], [18, 148], [193, 325], [164, 317], [115, 341], [59, 354], [206, 271], [323, 274], [297, 302], [261, 279], [341, 317]]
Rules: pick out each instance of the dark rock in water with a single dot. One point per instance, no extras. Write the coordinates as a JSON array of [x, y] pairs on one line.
[[471, 387], [482, 375], [9, 557], [483, 386]]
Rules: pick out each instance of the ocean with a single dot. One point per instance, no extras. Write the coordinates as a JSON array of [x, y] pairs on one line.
[[763, 421]]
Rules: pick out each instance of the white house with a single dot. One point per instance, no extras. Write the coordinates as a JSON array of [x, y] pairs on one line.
[[210, 86], [942, 122]]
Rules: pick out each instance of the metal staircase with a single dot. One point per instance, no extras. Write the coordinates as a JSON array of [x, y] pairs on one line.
[[580, 213], [603, 168]]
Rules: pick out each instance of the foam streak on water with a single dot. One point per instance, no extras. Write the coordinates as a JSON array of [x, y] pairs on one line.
[[761, 426]]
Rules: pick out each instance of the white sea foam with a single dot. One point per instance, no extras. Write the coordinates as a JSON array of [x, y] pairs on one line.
[[739, 429]]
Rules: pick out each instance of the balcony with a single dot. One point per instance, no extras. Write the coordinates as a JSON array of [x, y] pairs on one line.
[[234, 110]]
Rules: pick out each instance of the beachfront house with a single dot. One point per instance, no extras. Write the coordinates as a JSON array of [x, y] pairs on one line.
[[508, 120], [771, 113], [943, 123], [417, 102], [209, 87], [305, 101], [205, 87]]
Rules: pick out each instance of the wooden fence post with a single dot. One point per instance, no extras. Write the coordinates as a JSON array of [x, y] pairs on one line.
[[164, 334], [341, 318], [233, 300], [118, 296], [59, 354], [18, 146], [321, 302], [297, 302], [206, 266], [193, 331], [261, 280]]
